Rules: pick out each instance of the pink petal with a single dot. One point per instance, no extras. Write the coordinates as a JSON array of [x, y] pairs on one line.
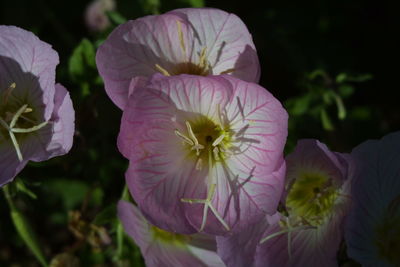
[[9, 163], [227, 39], [30, 63], [156, 252], [239, 249], [136, 47], [58, 137]]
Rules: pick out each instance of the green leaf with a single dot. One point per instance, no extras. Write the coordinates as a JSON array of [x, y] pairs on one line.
[[317, 73], [359, 78], [194, 3], [115, 17], [326, 121], [24, 229], [346, 90], [28, 236], [341, 77], [300, 105], [72, 192], [340, 106], [82, 57]]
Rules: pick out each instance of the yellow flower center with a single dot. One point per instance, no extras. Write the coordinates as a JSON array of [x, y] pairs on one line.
[[387, 234], [311, 197], [168, 237]]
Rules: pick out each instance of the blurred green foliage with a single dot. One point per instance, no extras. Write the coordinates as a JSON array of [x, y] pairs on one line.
[[311, 54]]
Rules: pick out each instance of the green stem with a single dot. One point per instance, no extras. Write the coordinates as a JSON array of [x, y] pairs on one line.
[[24, 229]]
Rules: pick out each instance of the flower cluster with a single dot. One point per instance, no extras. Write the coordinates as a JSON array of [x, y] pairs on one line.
[[36, 115], [205, 144], [206, 166]]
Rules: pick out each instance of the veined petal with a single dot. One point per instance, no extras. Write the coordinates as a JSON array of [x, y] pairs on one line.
[[157, 250], [308, 247], [229, 45], [173, 100], [239, 249], [259, 123], [135, 48], [58, 136], [183, 41], [29, 63]]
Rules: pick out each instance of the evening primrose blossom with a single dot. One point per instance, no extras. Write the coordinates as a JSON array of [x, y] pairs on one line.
[[162, 248], [309, 230], [197, 41], [373, 225], [205, 152], [36, 115]]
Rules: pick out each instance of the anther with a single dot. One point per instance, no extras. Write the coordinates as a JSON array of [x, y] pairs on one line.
[[181, 39], [218, 140], [162, 70], [203, 58], [8, 92], [185, 139], [215, 153]]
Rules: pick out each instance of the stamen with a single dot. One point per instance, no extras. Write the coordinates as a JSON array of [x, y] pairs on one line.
[[16, 146], [228, 71], [207, 201], [218, 140], [191, 140], [203, 58], [186, 139], [8, 92], [193, 137], [11, 130], [28, 130], [17, 115], [289, 231], [215, 153], [162, 70], [181, 39]]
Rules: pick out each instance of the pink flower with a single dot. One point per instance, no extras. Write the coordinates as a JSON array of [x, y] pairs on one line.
[[36, 115], [161, 248], [200, 41], [373, 225], [316, 202], [205, 152]]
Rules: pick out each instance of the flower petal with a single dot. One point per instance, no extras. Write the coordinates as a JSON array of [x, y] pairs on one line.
[[30, 63], [134, 48], [229, 44], [57, 139], [239, 249], [157, 252], [152, 44], [375, 186], [10, 165]]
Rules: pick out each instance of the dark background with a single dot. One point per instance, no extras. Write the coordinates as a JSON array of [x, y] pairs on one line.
[[293, 39]]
